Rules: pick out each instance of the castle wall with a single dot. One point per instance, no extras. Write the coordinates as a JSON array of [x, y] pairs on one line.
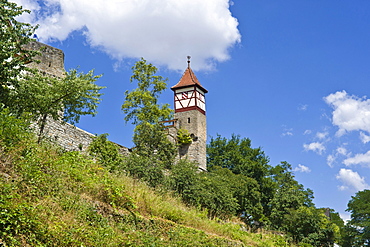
[[64, 134]]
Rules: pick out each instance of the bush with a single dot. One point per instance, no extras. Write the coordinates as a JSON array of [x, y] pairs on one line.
[[145, 168], [106, 152], [13, 130]]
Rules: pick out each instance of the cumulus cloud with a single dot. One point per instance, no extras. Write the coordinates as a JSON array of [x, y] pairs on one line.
[[342, 151], [358, 159], [322, 135], [316, 147], [351, 180], [351, 113], [364, 138], [162, 31], [302, 168], [330, 160]]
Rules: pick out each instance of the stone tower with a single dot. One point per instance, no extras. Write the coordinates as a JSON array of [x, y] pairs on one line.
[[190, 113], [51, 60]]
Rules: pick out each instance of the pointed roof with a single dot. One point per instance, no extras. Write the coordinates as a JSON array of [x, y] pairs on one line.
[[188, 79]]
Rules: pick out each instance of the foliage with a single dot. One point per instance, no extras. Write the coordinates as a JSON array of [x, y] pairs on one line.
[[289, 195], [142, 109], [106, 152], [141, 104], [14, 35], [13, 130], [183, 176], [310, 225], [358, 228], [54, 198], [43, 96], [152, 141], [183, 137], [144, 168]]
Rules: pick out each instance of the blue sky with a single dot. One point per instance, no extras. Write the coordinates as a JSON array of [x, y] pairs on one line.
[[290, 75]]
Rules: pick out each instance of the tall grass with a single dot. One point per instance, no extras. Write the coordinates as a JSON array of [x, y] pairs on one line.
[[53, 198]]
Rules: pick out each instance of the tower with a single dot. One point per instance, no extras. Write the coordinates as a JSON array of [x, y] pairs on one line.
[[190, 112]]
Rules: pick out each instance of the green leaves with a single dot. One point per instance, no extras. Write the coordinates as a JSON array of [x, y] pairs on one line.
[[64, 98], [183, 137], [358, 228], [106, 152], [141, 104], [14, 36], [142, 109]]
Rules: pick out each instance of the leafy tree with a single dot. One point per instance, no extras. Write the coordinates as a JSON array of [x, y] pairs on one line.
[[237, 155], [14, 35], [75, 94], [310, 225], [182, 177], [358, 230], [142, 109], [145, 168], [106, 152], [336, 219], [289, 195], [141, 104], [214, 193]]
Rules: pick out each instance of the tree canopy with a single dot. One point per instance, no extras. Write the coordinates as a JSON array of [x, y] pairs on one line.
[[14, 35], [357, 230], [143, 110]]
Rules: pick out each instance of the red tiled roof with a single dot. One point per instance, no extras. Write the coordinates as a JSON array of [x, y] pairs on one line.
[[188, 79]]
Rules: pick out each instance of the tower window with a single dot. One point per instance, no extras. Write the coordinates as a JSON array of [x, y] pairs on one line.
[[188, 119]]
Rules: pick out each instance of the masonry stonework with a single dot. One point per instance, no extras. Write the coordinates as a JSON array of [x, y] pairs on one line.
[[68, 136]]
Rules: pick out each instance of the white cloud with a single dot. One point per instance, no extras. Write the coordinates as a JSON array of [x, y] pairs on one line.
[[302, 107], [288, 133], [364, 138], [351, 113], [302, 168], [162, 31], [351, 180], [322, 135], [307, 132], [316, 147], [330, 160], [358, 159], [342, 151]]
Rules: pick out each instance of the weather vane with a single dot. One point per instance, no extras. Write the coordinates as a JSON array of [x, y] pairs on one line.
[[188, 60]]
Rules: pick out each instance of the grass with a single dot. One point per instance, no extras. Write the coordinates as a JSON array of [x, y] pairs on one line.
[[55, 198]]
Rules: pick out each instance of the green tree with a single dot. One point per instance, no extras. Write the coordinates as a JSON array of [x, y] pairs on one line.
[[64, 98], [358, 230], [289, 195], [141, 104], [237, 155], [310, 225], [14, 35], [106, 152], [142, 109]]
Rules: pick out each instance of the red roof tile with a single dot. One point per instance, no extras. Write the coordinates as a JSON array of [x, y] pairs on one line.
[[188, 79]]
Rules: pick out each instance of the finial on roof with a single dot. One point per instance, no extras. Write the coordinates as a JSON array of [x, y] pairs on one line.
[[188, 61]]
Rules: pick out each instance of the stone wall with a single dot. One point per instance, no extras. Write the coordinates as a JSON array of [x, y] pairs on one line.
[[69, 137]]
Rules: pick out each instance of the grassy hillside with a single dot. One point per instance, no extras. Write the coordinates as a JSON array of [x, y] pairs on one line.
[[53, 198]]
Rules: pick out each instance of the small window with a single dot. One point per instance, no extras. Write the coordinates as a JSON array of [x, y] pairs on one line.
[[188, 119]]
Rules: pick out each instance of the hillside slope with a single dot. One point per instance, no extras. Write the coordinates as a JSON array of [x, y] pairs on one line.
[[55, 198]]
